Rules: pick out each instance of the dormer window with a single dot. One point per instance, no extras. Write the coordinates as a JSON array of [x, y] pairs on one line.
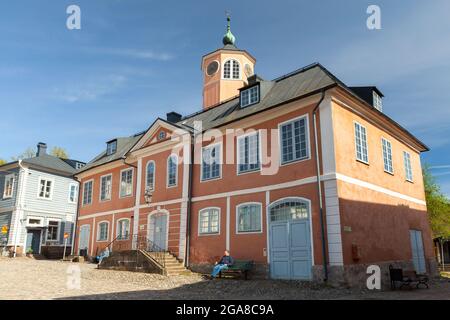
[[249, 96], [111, 147], [162, 135], [377, 102]]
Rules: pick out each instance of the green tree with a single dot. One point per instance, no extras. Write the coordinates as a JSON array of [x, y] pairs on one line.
[[2, 162], [59, 152], [438, 206]]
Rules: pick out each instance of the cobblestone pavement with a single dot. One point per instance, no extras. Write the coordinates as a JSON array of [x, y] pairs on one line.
[[24, 278]]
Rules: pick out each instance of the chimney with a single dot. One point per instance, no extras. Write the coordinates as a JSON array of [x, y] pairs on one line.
[[41, 149], [173, 117]]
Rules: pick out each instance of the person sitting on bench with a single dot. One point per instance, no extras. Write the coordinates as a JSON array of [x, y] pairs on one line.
[[103, 254], [225, 262]]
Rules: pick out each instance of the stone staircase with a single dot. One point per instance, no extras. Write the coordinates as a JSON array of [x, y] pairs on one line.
[[172, 266]]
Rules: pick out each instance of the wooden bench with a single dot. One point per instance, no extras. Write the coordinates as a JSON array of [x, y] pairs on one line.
[[406, 278], [240, 267]]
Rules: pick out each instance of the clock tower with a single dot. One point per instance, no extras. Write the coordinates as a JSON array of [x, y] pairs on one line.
[[225, 70]]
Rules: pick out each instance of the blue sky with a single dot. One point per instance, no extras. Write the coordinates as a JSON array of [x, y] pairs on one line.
[[134, 60]]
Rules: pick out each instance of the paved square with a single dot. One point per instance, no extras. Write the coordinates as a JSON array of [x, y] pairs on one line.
[[24, 278]]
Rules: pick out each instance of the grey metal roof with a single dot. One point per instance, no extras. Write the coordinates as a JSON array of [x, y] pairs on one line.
[[294, 85], [124, 144], [45, 161]]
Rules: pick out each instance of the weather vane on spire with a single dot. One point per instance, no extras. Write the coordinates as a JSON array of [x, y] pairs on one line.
[[228, 38]]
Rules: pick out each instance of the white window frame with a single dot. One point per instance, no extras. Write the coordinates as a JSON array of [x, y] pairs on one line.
[[232, 62], [154, 174], [355, 123], [385, 156], [52, 186], [109, 149], [213, 145], [203, 234], [167, 171], [250, 102], [92, 192], [260, 219], [239, 141], [9, 177], [120, 183], [117, 229], [408, 169], [57, 233], [107, 231], [110, 189], [308, 140], [75, 196], [377, 101]]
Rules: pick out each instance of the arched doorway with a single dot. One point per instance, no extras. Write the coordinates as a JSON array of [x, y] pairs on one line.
[[290, 239], [158, 229]]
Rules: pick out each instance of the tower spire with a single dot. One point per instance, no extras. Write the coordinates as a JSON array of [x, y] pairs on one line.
[[228, 38]]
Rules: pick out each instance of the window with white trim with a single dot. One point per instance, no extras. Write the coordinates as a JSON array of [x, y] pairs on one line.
[[232, 70], [209, 221], [361, 143], [211, 162], [172, 164], [45, 188], [294, 140], [87, 192], [105, 187], [407, 164], [52, 230], [248, 153], [387, 155], [111, 147], [150, 176], [249, 217], [73, 192], [126, 183], [102, 234], [377, 101], [249, 96], [9, 186], [123, 229]]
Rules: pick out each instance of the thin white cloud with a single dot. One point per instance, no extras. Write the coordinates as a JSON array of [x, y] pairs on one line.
[[445, 166], [90, 90], [133, 53]]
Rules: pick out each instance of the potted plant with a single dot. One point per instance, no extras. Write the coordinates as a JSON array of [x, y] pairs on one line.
[[30, 252]]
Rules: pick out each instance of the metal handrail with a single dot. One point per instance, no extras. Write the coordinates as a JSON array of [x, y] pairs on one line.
[[157, 253]]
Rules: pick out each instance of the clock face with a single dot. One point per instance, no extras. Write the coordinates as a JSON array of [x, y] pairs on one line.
[[212, 68], [248, 70]]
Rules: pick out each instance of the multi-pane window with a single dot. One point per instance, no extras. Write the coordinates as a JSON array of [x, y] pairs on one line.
[[52, 230], [387, 155], [9, 186], [45, 188], [172, 163], [211, 161], [105, 187], [248, 153], [288, 209], [150, 176], [231, 70], [361, 143], [294, 141], [87, 192], [209, 221], [111, 147], [102, 231], [126, 183], [73, 191], [249, 218], [407, 164], [377, 102], [123, 229], [250, 96]]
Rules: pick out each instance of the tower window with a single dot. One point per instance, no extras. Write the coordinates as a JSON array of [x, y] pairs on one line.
[[232, 70]]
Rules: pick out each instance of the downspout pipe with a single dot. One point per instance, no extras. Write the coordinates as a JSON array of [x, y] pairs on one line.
[[319, 188], [75, 226], [189, 202]]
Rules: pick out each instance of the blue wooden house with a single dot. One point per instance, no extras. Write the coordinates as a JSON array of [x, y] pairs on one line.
[[38, 204]]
